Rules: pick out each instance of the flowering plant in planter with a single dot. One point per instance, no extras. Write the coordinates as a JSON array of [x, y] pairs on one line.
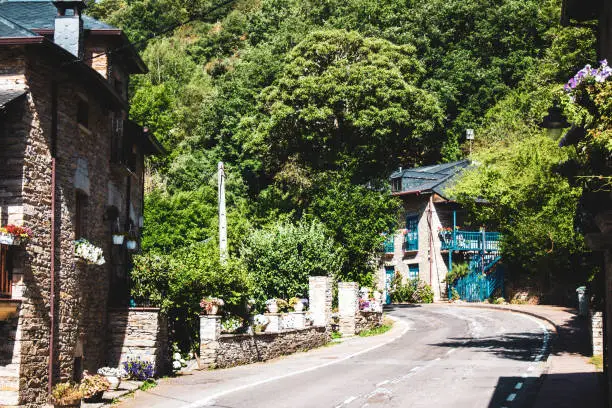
[[93, 386], [210, 305], [296, 304], [88, 252], [272, 306], [113, 375], [14, 234], [139, 369], [66, 395]]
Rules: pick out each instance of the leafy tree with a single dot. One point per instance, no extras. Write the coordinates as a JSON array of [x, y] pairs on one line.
[[532, 206], [343, 101], [178, 281], [282, 256]]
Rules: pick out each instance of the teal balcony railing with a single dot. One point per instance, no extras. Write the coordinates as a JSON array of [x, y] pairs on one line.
[[470, 241], [389, 246]]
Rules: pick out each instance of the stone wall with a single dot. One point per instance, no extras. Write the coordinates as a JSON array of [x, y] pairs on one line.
[[597, 332], [368, 321], [25, 198], [138, 333], [246, 349]]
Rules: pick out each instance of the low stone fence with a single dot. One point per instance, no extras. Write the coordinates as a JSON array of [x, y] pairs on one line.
[[368, 321], [138, 332], [597, 332], [227, 350]]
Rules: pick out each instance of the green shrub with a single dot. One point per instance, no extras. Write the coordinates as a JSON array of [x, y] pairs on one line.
[[459, 271], [281, 257], [414, 291]]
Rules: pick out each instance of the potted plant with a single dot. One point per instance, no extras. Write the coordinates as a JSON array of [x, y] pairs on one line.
[[271, 306], [113, 376], [296, 304], [93, 386], [86, 251], [66, 395], [131, 244], [118, 238], [211, 305], [14, 235]]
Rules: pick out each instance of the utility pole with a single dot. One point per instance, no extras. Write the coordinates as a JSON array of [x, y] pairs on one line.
[[222, 215], [469, 135]]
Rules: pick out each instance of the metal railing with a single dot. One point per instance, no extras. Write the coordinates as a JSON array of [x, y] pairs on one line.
[[471, 241]]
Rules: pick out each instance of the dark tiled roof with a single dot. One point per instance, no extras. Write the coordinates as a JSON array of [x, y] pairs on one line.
[[9, 95], [436, 178], [11, 29], [40, 15]]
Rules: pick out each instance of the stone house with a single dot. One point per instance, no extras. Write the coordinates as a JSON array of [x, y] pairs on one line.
[[597, 205], [71, 166], [422, 250]]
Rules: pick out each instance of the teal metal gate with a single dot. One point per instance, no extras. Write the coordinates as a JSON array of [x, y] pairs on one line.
[[478, 286]]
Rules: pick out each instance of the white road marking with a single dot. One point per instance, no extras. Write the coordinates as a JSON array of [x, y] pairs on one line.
[[349, 400], [204, 401], [511, 397], [382, 383], [451, 351], [518, 386], [415, 368]]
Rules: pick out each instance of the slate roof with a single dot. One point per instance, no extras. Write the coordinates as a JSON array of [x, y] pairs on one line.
[[9, 95], [436, 178], [9, 28], [40, 15]]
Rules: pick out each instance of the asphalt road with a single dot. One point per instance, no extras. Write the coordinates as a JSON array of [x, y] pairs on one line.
[[436, 356]]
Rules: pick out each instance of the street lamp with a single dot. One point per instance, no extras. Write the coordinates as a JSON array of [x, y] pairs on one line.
[[554, 121]]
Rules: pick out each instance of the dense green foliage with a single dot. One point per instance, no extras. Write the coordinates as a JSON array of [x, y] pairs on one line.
[[281, 257], [178, 281], [312, 103], [413, 291]]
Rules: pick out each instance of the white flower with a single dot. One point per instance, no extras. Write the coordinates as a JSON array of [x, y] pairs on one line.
[[177, 356], [176, 365]]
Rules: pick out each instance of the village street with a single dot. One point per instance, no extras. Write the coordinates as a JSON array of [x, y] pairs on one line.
[[435, 356]]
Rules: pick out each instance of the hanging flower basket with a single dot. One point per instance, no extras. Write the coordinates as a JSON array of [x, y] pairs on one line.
[[118, 239], [14, 234], [131, 244], [86, 251]]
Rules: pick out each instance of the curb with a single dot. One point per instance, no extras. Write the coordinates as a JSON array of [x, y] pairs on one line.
[[513, 309]]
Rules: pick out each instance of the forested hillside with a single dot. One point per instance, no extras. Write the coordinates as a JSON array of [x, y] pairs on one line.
[[312, 103]]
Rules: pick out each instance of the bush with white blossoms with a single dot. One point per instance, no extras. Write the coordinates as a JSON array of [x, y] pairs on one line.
[[88, 252], [112, 372], [178, 361], [261, 320]]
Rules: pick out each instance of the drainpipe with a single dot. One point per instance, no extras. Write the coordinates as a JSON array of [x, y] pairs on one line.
[[53, 233], [431, 251]]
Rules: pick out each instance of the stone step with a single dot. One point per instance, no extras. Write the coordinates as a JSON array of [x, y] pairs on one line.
[[9, 398]]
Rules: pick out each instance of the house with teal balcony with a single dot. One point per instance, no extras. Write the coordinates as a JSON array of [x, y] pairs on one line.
[[436, 234]]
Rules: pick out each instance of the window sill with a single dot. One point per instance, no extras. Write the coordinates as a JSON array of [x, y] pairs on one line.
[[9, 308], [85, 130]]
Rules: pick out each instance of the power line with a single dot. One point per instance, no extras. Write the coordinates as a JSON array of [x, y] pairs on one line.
[[166, 30]]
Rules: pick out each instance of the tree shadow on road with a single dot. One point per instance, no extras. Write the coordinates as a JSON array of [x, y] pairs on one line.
[[516, 346]]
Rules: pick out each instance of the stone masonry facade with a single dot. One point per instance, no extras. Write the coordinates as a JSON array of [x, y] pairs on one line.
[[38, 128]]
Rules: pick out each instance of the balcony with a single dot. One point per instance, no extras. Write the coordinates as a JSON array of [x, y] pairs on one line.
[[411, 242], [470, 241]]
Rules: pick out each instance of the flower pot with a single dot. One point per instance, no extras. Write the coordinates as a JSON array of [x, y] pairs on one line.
[[214, 309], [118, 239], [8, 239], [97, 397], [272, 308], [299, 306], [72, 404], [131, 245], [115, 382]]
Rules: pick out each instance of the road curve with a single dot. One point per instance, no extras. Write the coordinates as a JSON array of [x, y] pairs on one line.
[[445, 356]]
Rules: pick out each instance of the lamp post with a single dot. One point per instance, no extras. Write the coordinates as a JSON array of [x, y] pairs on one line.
[[469, 135], [222, 214], [554, 122]]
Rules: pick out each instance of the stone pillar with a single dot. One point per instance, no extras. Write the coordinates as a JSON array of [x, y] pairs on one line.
[[320, 299], [210, 331], [348, 306], [597, 333], [274, 324], [299, 320]]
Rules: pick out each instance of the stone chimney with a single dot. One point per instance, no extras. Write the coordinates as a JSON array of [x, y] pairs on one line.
[[69, 26]]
